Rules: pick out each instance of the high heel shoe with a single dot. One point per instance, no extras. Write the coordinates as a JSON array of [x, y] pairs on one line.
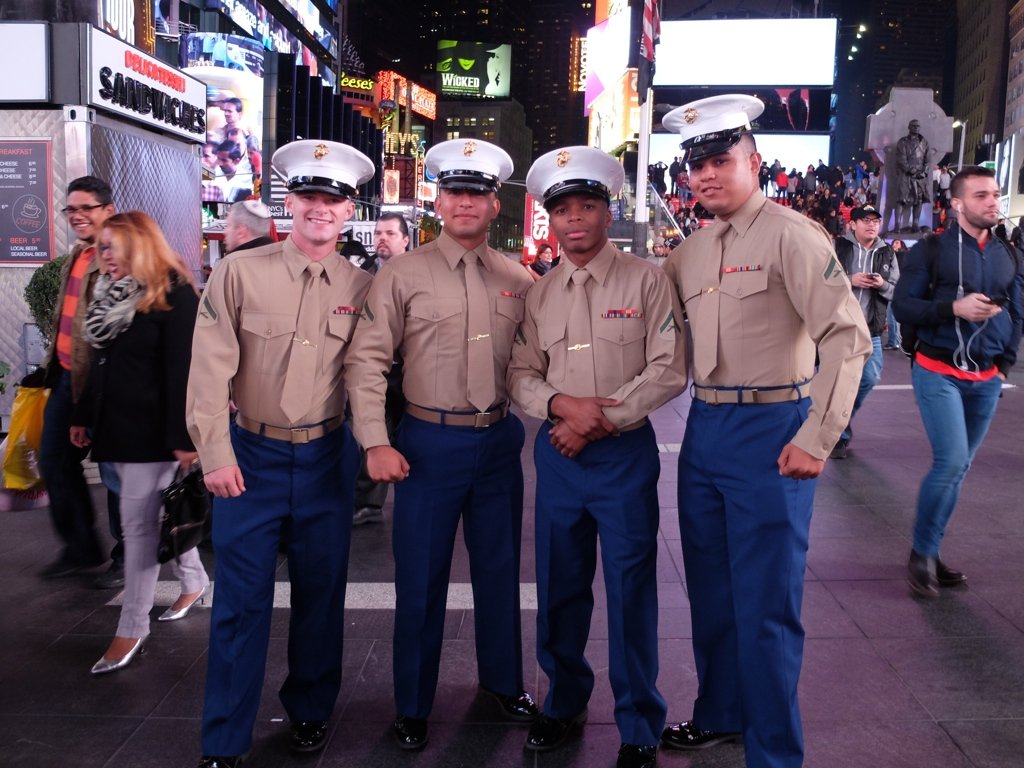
[[173, 615], [105, 665]]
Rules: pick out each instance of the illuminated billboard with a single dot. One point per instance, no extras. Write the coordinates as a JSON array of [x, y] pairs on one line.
[[424, 102], [252, 17], [474, 70], [607, 57], [690, 52], [792, 109], [232, 68]]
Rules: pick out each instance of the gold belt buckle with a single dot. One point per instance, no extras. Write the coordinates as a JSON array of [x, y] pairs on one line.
[[482, 420], [300, 436]]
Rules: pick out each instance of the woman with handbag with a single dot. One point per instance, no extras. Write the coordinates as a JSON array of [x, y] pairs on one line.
[[140, 322]]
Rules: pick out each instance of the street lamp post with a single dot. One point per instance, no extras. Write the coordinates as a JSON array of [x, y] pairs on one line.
[[962, 125]]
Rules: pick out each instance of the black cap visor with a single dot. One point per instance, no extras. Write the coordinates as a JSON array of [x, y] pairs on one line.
[[320, 184], [709, 144], [470, 181], [575, 187]]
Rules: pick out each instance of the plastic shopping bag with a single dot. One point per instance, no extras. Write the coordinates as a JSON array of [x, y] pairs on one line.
[[21, 459]]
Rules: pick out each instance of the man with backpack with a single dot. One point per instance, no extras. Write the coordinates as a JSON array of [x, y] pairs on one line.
[[961, 293]]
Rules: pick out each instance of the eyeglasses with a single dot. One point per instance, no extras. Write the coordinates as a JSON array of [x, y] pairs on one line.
[[71, 210]]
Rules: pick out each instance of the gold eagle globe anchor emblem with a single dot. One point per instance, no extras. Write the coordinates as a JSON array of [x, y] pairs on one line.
[[320, 151]]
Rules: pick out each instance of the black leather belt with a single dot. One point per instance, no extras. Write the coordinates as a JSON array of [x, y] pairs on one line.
[[458, 419], [295, 436], [751, 395]]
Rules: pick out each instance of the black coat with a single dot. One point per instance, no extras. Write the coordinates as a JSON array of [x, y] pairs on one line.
[[135, 402]]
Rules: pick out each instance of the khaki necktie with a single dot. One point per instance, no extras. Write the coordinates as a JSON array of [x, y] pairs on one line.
[[480, 372], [297, 395], [705, 330], [580, 380]]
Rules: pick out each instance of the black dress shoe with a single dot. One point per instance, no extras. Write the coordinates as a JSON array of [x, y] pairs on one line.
[[686, 735], [521, 708], [60, 568], [112, 578], [948, 577], [637, 756], [922, 576], [410, 732], [549, 733], [307, 735], [220, 762]]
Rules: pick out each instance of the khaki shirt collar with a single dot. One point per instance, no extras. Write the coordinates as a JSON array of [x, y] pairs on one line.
[[296, 261], [744, 217], [598, 267], [453, 252]]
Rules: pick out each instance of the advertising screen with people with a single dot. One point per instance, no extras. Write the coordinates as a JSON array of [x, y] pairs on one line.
[[232, 68]]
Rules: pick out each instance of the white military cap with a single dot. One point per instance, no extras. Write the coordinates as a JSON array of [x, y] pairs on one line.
[[713, 125], [472, 164], [314, 165], [575, 170]]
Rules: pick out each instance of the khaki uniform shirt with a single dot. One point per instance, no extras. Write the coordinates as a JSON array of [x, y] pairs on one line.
[[417, 310], [782, 293], [638, 349], [243, 340]]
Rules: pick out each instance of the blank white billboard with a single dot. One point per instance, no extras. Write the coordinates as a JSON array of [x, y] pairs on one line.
[[775, 52]]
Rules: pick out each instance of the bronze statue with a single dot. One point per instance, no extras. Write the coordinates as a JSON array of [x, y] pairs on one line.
[[915, 185]]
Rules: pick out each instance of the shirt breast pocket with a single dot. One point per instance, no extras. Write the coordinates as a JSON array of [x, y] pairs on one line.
[[744, 309], [622, 350], [438, 325], [551, 338], [508, 314], [266, 340], [339, 333]]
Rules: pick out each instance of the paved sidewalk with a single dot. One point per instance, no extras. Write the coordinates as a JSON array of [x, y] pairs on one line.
[[889, 680]]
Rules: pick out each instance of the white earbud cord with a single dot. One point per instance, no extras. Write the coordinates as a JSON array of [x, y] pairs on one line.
[[962, 355]]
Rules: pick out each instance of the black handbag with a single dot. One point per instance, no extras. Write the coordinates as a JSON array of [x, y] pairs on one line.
[[186, 508]]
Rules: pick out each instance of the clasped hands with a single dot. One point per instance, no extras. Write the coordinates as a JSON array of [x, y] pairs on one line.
[[581, 420]]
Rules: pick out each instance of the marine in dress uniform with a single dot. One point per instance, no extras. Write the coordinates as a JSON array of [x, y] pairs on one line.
[[449, 311], [272, 335], [600, 349], [762, 288]]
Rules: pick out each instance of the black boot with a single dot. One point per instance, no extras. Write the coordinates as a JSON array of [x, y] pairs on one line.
[[922, 575]]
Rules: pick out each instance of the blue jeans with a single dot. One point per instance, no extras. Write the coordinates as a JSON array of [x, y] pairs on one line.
[[61, 464], [894, 328], [956, 415], [868, 378]]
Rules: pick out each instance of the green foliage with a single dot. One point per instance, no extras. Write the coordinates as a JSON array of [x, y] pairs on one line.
[[5, 369], [41, 294]]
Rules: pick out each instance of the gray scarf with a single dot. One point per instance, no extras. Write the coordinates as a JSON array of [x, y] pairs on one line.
[[112, 309]]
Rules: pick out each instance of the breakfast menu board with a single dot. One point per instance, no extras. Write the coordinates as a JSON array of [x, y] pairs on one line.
[[26, 218]]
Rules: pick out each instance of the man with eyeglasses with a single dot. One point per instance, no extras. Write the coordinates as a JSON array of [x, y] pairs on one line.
[[89, 205]]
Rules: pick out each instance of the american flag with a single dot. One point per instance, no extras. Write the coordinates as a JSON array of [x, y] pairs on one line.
[[651, 29]]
